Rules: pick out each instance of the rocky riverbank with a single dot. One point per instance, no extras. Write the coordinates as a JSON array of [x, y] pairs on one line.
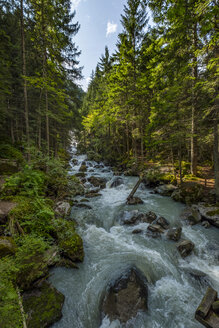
[[36, 234]]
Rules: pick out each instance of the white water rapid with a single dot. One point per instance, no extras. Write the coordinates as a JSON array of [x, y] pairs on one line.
[[175, 286]]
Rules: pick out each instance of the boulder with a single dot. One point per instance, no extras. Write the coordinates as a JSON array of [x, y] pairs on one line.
[[154, 230], [195, 216], [97, 182], [189, 193], [62, 209], [7, 246], [134, 201], [5, 208], [69, 241], [149, 217], [165, 190], [43, 306], [116, 182], [126, 296], [136, 217], [210, 214], [174, 234], [205, 312], [83, 168], [206, 224], [80, 175], [185, 247], [74, 161], [162, 222]]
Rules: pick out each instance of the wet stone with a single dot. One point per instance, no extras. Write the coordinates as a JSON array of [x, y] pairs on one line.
[[126, 296]]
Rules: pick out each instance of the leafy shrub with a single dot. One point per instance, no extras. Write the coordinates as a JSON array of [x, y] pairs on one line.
[[10, 152], [27, 182], [34, 215]]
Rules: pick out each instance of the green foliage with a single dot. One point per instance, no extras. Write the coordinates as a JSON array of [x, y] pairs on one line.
[[34, 215], [27, 182], [10, 152]]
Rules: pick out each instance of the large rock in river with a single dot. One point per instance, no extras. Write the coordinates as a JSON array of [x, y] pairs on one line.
[[116, 182], [126, 296], [97, 182], [185, 247]]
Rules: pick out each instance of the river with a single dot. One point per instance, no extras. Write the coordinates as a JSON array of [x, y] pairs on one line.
[[174, 288]]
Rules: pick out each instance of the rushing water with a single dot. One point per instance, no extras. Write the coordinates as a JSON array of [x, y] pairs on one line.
[[174, 291]]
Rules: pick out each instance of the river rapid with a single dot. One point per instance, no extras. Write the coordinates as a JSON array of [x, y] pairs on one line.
[[175, 285]]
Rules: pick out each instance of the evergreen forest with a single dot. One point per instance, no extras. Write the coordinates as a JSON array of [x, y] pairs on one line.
[[151, 110]]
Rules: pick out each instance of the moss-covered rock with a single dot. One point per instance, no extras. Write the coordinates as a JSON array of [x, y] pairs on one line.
[[32, 260], [10, 314], [43, 306], [7, 246], [189, 193], [154, 177], [69, 241]]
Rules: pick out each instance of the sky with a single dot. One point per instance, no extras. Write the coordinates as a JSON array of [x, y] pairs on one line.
[[100, 26]]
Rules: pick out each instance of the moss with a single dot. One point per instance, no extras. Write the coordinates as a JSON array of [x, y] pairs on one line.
[[69, 241], [43, 306], [10, 315], [214, 212]]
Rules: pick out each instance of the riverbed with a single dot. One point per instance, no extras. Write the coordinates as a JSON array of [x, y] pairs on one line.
[[176, 286]]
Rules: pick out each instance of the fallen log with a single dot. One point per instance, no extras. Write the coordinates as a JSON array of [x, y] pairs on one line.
[[134, 189]]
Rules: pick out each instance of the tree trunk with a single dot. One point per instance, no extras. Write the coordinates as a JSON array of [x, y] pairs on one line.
[[26, 114], [47, 122], [194, 105], [216, 156]]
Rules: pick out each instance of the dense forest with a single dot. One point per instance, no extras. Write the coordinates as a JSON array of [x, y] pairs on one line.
[[156, 97], [151, 104], [39, 68]]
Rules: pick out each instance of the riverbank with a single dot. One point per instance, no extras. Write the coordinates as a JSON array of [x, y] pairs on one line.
[[36, 233]]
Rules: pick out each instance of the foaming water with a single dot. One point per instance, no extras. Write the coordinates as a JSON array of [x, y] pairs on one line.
[[176, 286]]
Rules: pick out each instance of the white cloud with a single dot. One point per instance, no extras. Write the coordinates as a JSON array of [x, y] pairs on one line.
[[111, 28], [75, 4]]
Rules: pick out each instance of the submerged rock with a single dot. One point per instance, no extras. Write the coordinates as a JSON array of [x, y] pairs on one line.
[[185, 247], [174, 234], [126, 296], [43, 306], [149, 217], [134, 201], [116, 182]]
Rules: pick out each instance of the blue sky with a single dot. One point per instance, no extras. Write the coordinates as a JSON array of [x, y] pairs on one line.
[[100, 25]]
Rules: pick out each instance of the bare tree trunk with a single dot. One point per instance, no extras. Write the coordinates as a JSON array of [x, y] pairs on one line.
[[127, 139], [194, 105], [26, 113], [216, 155], [47, 122]]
